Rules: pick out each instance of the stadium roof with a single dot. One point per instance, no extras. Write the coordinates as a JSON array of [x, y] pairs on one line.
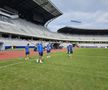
[[39, 11], [80, 31]]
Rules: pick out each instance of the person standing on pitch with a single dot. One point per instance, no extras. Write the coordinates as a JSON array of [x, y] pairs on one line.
[[40, 52], [70, 49], [48, 49], [27, 52]]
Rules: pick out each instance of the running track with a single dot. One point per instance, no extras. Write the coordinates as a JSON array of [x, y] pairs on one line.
[[4, 55]]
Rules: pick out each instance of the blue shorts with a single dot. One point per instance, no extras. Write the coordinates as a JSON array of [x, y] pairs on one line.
[[27, 53], [40, 53], [70, 52], [48, 51]]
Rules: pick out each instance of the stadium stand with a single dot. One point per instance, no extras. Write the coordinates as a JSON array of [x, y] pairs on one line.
[[93, 45], [87, 37]]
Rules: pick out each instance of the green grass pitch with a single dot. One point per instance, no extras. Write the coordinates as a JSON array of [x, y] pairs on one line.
[[87, 69]]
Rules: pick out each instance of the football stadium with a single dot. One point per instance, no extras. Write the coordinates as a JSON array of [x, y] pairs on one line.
[[32, 57]]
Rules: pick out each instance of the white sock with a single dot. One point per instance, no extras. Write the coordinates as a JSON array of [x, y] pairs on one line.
[[37, 60]]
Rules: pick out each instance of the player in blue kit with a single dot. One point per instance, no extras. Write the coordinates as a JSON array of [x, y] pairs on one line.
[[27, 52], [70, 49], [48, 49], [40, 52]]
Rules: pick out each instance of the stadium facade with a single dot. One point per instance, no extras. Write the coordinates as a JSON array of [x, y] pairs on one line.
[[22, 22]]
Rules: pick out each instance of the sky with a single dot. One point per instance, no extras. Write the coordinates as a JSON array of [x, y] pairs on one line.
[[90, 14]]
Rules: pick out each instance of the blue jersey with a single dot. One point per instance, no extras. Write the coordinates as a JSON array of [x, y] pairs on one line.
[[26, 48], [70, 48], [40, 47], [48, 47]]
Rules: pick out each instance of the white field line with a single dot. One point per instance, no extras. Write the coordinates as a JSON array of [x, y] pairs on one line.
[[52, 56], [18, 63], [10, 65], [5, 66]]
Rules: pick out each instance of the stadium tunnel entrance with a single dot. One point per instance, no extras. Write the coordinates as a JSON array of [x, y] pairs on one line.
[[56, 45]]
